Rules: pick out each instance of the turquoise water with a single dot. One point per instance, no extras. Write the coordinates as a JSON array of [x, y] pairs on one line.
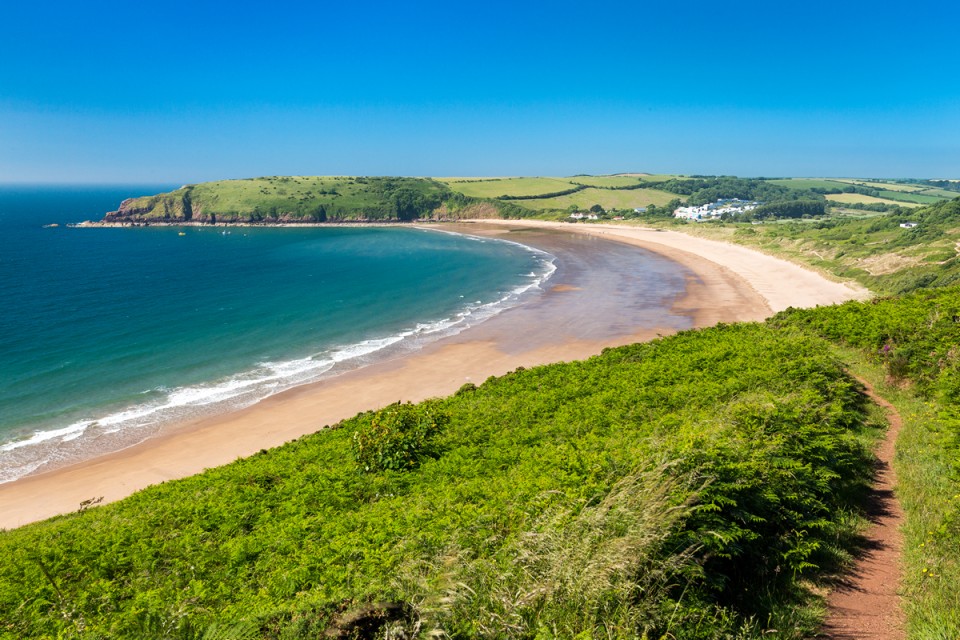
[[107, 334]]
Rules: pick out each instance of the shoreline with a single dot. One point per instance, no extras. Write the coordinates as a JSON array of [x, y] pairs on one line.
[[721, 285]]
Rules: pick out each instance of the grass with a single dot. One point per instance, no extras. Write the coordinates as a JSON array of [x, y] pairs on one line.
[[943, 193], [919, 198], [295, 198], [809, 183], [660, 177], [606, 198], [496, 188], [606, 181], [889, 186], [908, 349], [874, 251], [859, 198], [689, 487], [929, 491]]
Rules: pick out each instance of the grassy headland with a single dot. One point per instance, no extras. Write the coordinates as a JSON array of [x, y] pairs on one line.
[[288, 199]]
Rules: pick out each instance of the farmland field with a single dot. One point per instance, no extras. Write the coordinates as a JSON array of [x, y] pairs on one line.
[[889, 186], [848, 198], [606, 181], [659, 177], [494, 188], [943, 193], [808, 183], [918, 198], [606, 198]]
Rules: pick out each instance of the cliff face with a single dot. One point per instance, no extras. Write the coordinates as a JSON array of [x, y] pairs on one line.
[[175, 206]]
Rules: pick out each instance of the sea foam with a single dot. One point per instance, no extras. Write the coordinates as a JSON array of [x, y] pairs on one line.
[[132, 424]]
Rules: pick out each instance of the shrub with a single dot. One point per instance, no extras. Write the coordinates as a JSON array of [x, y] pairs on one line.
[[398, 437]]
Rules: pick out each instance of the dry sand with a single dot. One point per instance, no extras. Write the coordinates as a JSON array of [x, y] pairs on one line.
[[589, 304]]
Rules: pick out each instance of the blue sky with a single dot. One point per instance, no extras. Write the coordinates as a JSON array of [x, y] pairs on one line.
[[183, 92]]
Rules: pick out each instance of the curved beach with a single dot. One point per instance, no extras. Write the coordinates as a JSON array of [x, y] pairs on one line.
[[575, 318]]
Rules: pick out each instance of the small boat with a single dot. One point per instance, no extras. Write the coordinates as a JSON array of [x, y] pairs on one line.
[[182, 233]]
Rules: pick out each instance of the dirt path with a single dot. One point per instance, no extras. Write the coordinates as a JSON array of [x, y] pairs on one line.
[[866, 604]]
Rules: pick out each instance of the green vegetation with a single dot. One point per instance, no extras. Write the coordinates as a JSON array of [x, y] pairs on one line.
[[875, 251], [334, 199], [910, 347], [607, 198], [890, 186], [694, 486], [705, 485], [507, 188], [606, 181], [397, 438], [825, 184], [789, 209], [919, 198], [290, 199], [852, 198]]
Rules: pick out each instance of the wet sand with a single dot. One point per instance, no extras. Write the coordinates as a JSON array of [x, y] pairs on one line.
[[613, 286]]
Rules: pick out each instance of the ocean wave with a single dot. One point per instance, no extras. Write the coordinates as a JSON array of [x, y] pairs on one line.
[[88, 437]]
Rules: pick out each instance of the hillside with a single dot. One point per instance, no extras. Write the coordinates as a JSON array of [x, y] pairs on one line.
[[704, 485], [876, 251], [302, 199], [657, 488], [288, 199]]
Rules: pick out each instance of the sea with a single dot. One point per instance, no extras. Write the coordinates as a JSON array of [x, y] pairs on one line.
[[109, 334]]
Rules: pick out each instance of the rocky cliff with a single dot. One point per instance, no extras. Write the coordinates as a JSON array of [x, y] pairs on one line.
[[175, 206]]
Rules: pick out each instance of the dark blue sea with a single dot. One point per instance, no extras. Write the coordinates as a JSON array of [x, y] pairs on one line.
[[106, 334]]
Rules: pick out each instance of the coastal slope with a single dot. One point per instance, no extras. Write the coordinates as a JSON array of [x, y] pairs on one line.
[[722, 286], [286, 199]]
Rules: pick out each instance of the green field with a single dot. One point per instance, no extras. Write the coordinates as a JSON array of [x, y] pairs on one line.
[[847, 198], [497, 188], [659, 177], [890, 186], [809, 183], [918, 198], [606, 198], [943, 193], [606, 181], [637, 494]]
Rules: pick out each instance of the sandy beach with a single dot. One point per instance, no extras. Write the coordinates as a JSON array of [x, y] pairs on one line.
[[587, 306]]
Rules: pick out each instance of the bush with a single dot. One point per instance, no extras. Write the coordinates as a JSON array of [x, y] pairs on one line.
[[398, 437]]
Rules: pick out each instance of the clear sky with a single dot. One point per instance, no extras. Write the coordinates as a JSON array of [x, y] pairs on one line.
[[174, 91]]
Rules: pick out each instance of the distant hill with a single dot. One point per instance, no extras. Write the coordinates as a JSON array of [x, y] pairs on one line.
[[289, 199], [318, 199]]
